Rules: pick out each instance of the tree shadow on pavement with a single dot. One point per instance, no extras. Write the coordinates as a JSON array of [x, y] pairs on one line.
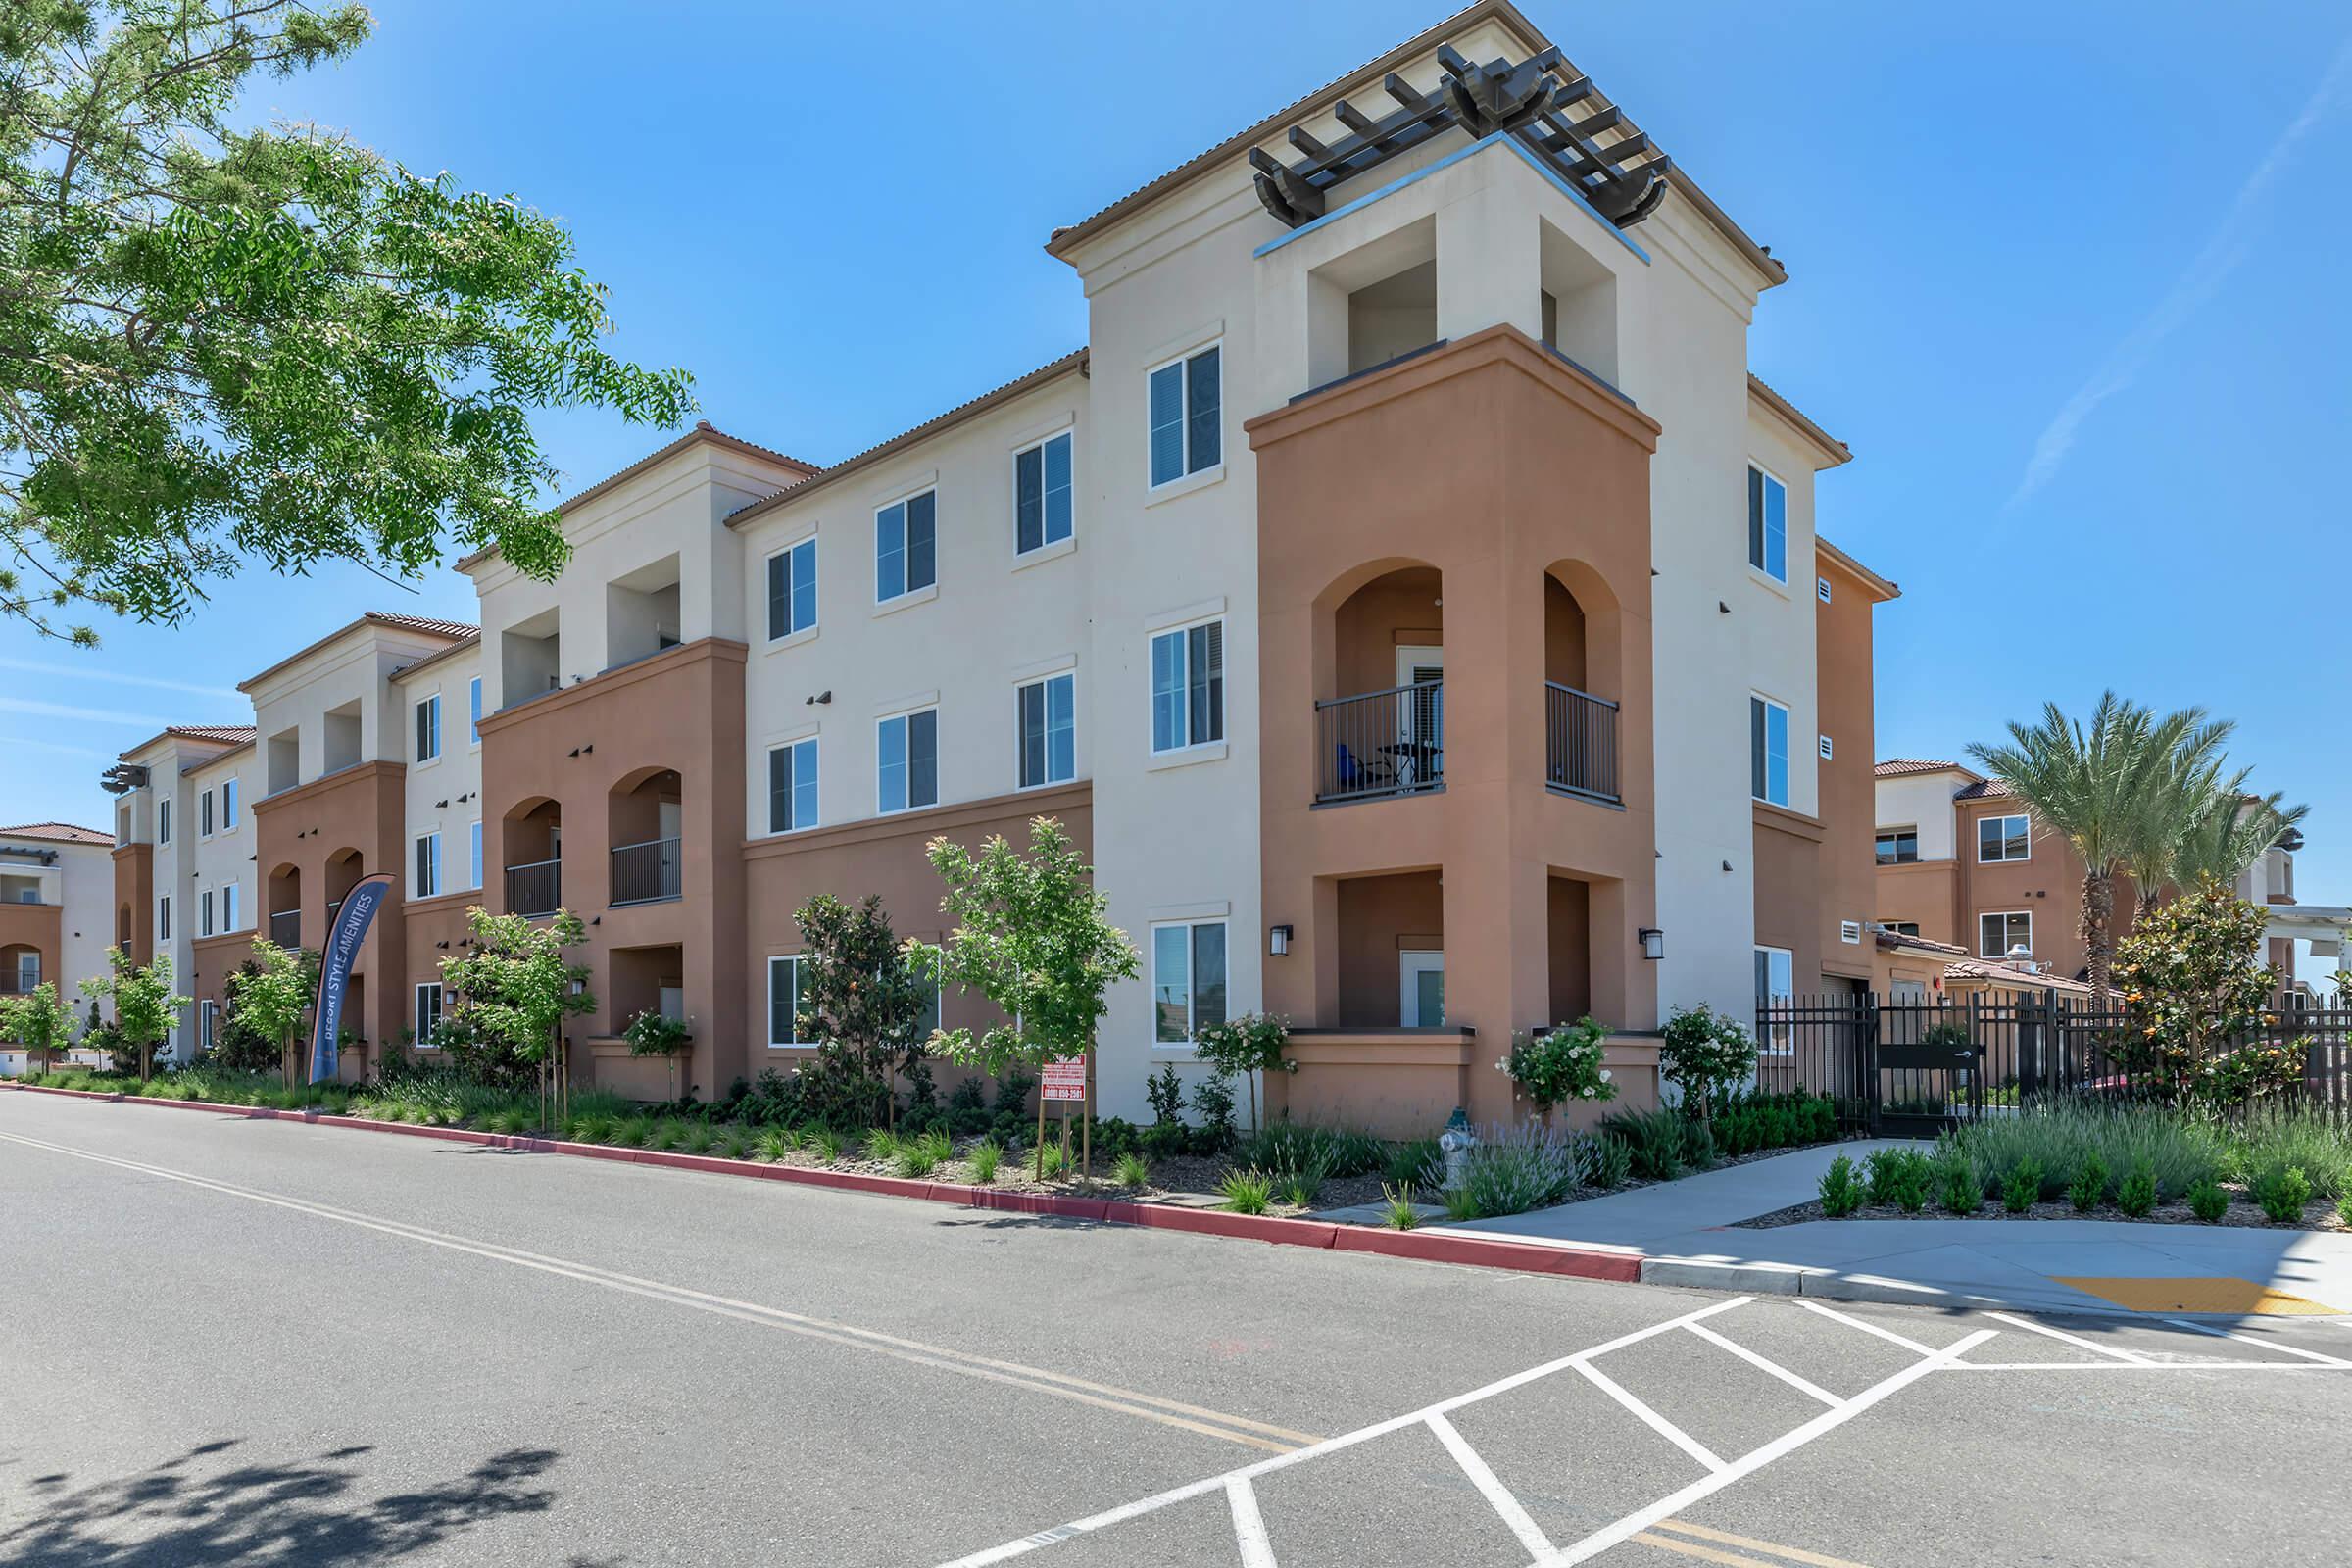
[[201, 1508]]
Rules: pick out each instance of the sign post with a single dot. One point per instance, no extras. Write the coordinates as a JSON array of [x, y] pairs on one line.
[[1064, 1081]]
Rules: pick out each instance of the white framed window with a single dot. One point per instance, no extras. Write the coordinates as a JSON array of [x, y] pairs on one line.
[[907, 749], [1044, 493], [163, 918], [1767, 523], [208, 1015], [473, 712], [429, 865], [473, 850], [784, 1000], [1187, 979], [1048, 730], [906, 547], [1188, 686], [229, 907], [1899, 846], [426, 1018], [1776, 986], [791, 589], [229, 805], [1767, 750], [792, 785], [2001, 839], [204, 814], [163, 822], [1187, 408], [204, 913], [428, 728], [2001, 930]]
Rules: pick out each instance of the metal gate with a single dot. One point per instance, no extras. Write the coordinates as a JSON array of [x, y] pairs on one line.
[[1896, 1069]]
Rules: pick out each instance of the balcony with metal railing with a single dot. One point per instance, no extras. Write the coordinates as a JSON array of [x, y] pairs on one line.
[[1376, 745], [536, 888], [647, 874], [285, 928], [1580, 743]]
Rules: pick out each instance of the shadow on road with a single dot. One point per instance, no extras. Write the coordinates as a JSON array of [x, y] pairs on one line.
[[201, 1507]]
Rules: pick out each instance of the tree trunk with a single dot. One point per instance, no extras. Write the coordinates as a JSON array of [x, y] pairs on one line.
[[2099, 917]]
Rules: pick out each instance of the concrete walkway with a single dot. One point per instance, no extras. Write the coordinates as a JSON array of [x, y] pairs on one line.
[[1684, 1231]]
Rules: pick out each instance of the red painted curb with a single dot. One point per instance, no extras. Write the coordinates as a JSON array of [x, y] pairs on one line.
[[1472, 1251]]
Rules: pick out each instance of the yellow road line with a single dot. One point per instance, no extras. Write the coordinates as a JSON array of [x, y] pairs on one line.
[[1651, 1537], [2203, 1293], [1104, 1397], [1792, 1553]]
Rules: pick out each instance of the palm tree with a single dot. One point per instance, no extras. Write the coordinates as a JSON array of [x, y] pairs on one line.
[[2104, 790], [2231, 831], [2184, 781]]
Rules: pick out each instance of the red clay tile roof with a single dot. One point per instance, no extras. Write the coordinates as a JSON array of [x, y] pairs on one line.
[[61, 832], [423, 623], [1898, 767], [225, 734], [1893, 939], [2010, 975], [1985, 789]]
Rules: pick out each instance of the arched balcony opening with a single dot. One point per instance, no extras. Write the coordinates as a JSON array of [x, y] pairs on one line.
[[1583, 668], [645, 813], [284, 892], [534, 840], [1379, 659], [344, 868], [20, 969]]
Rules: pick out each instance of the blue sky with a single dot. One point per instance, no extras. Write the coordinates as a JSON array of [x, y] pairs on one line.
[[2067, 278]]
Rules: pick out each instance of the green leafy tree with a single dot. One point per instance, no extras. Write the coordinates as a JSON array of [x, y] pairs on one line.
[[862, 999], [1032, 936], [1704, 1055], [38, 1021], [219, 342], [1245, 1047], [514, 988], [2197, 1001], [145, 1006], [2111, 790], [268, 997]]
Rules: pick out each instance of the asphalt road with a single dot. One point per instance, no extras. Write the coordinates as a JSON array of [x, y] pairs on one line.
[[262, 1343]]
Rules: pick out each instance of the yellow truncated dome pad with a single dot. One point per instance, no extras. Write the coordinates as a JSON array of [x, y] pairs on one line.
[[2211, 1292]]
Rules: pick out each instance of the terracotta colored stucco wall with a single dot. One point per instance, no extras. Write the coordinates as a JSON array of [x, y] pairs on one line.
[[310, 829], [1848, 785], [1789, 852], [135, 896]]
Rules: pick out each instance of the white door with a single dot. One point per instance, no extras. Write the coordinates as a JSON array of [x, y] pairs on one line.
[[1421, 990], [1421, 715]]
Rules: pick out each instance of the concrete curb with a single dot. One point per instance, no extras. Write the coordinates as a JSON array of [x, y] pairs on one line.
[[1621, 1267]]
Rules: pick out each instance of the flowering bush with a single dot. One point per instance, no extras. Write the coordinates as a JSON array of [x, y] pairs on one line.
[[2192, 992], [651, 1034], [1705, 1053], [1561, 1064]]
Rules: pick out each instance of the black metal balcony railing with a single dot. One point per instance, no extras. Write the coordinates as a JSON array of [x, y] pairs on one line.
[[646, 873], [1580, 742], [1381, 743], [536, 888], [285, 928]]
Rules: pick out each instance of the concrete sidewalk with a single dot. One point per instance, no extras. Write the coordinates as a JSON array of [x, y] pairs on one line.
[[1683, 1230]]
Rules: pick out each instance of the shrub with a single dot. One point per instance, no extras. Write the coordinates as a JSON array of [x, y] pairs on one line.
[[1288, 1148], [1698, 1145], [830, 1143], [2088, 1189], [699, 1138], [1745, 1123], [1956, 1183], [632, 1133], [1654, 1138], [1511, 1170], [982, 1160], [923, 1153], [1213, 1099], [1398, 1201], [2058, 1135], [2282, 1193], [1703, 1055], [1132, 1171], [2138, 1194], [1841, 1192], [881, 1146], [771, 1146], [1899, 1176], [1561, 1064], [1165, 1090], [2191, 987], [1053, 1161], [655, 1034], [2343, 1208], [1243, 1047], [2209, 1200], [1411, 1164], [1247, 1191], [734, 1143], [2275, 1143], [2021, 1189], [1298, 1190], [1612, 1163]]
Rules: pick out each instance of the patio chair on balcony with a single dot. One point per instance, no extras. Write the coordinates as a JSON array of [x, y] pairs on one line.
[[1361, 776]]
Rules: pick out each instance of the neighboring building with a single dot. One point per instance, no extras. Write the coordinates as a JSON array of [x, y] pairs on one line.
[[55, 884], [1391, 597]]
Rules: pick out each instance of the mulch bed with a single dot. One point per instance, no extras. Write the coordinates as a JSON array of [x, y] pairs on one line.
[[2242, 1214]]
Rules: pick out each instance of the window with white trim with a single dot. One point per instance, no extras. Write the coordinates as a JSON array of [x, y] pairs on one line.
[[204, 815], [204, 913], [426, 1018], [229, 805], [428, 728], [1776, 988], [784, 1000], [163, 822], [1188, 687], [1048, 730], [1767, 524], [428, 867], [163, 918], [2001, 839], [792, 785], [1768, 751], [473, 850], [1043, 493], [2000, 931], [791, 589], [907, 747], [1187, 409], [473, 711], [1187, 979], [906, 547], [229, 907]]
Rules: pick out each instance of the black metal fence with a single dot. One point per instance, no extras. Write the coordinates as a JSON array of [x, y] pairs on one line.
[[647, 874], [1381, 743], [1580, 742], [1909, 1067], [536, 888]]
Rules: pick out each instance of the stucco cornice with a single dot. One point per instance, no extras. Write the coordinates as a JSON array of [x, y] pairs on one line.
[[700, 651], [325, 784], [1797, 825]]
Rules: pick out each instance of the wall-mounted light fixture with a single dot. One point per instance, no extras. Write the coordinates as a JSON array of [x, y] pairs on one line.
[[819, 700], [1278, 941], [1653, 942]]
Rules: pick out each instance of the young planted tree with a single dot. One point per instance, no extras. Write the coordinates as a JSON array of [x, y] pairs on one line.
[[225, 341], [268, 997], [145, 1008], [40, 1022], [1244, 1048], [1031, 936], [515, 987], [862, 999]]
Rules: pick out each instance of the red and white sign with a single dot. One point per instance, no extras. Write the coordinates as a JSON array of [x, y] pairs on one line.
[[1065, 1078]]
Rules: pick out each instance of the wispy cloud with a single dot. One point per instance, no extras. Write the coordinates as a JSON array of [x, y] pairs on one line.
[[33, 708], [11, 742], [2195, 285], [35, 667]]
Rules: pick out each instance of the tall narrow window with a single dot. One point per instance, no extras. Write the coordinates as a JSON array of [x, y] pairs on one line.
[[909, 747], [428, 728], [163, 918], [1187, 414], [1187, 979], [428, 867], [792, 787], [1042, 494], [906, 547], [1768, 751], [204, 815], [163, 822], [229, 907], [791, 589], [1767, 524], [428, 1021], [784, 1000], [1048, 731], [1188, 687], [204, 913], [474, 835], [229, 805], [473, 711]]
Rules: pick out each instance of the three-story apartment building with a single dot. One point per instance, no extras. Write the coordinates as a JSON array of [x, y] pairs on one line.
[[1407, 598]]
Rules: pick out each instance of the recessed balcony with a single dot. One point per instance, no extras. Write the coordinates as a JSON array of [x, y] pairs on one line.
[[1379, 744]]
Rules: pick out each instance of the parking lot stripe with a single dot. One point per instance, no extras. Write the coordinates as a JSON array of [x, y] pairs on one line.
[[2252, 1339], [1491, 1487], [1248, 1525], [1725, 1537], [1650, 1418], [2074, 1339], [1801, 1385], [1692, 1549], [1888, 1334]]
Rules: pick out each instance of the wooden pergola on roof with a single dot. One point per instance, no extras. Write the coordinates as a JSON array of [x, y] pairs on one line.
[[1556, 116]]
